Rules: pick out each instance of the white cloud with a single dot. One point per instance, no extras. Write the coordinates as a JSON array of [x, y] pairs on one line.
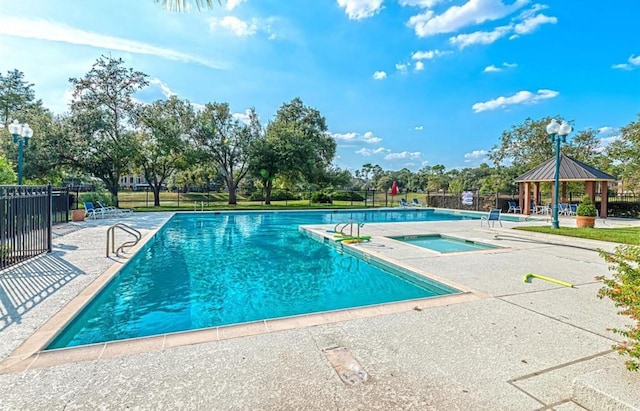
[[607, 130], [360, 9], [521, 97], [476, 154], [368, 137], [491, 68], [622, 66], [403, 155], [632, 62], [379, 75], [479, 37], [530, 24], [367, 152], [232, 4], [353, 137], [166, 91], [239, 27], [428, 55], [51, 31], [419, 66], [242, 117], [402, 67], [424, 4], [456, 17], [418, 127]]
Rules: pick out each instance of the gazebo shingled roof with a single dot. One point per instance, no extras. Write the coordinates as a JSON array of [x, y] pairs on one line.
[[570, 170]]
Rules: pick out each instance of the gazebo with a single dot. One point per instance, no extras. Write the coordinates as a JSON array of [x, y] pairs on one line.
[[571, 170]]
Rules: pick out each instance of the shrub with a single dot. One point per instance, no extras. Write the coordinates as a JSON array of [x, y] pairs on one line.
[[346, 196], [586, 208], [624, 290], [276, 195], [319, 197], [95, 196]]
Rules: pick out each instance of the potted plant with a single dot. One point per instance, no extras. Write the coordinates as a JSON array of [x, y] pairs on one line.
[[586, 213]]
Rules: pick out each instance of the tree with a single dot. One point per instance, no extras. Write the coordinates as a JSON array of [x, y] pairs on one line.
[[16, 94], [161, 147], [98, 138], [527, 145], [626, 152], [296, 147], [225, 143], [7, 175]]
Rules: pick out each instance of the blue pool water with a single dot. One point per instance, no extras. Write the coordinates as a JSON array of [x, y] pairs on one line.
[[443, 243], [211, 269]]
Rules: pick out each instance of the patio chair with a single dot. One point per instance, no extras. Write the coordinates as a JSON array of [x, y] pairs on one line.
[[532, 207], [416, 203], [513, 206], [92, 212], [403, 203], [573, 208], [114, 210], [563, 208], [491, 218]]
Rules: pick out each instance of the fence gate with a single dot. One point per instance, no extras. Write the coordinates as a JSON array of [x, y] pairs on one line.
[[25, 223]]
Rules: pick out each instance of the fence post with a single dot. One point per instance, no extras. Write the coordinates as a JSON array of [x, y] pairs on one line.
[[478, 201], [49, 223]]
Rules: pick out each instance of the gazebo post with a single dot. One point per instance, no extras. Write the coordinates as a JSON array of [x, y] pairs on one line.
[[527, 198], [604, 195], [563, 197], [536, 192], [521, 196]]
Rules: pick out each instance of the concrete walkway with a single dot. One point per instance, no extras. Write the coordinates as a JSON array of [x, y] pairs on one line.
[[520, 347]]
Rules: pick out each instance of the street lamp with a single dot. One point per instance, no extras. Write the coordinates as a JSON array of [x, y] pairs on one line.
[[21, 134], [558, 133]]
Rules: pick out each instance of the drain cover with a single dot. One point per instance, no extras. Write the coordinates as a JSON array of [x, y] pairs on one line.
[[347, 367]]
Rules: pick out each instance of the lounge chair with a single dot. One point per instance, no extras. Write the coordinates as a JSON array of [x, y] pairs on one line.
[[513, 207], [491, 218], [403, 203], [110, 210], [416, 203], [563, 208], [92, 212]]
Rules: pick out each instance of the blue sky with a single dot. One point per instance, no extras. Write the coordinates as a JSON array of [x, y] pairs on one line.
[[402, 83]]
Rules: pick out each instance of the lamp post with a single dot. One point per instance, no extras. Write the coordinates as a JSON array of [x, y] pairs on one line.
[[21, 134], [558, 133]]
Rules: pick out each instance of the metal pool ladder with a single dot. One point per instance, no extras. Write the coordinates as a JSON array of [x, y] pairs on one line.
[[111, 238]]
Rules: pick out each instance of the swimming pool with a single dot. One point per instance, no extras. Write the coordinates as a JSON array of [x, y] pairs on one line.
[[443, 243], [212, 269]]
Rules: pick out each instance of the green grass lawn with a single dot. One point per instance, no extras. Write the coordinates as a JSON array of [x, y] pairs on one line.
[[626, 235]]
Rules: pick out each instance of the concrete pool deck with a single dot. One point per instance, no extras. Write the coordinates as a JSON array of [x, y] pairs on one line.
[[514, 346]]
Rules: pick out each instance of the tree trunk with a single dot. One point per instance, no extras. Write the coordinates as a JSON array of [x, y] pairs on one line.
[[156, 195], [267, 192], [232, 192]]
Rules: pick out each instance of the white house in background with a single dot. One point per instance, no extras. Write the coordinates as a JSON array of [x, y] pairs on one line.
[[133, 182]]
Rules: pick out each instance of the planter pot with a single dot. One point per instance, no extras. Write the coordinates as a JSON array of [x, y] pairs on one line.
[[584, 221], [77, 215]]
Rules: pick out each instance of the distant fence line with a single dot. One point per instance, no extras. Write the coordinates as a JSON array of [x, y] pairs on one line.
[[619, 205], [26, 216]]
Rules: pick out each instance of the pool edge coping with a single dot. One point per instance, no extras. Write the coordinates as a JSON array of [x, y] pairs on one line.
[[30, 353]]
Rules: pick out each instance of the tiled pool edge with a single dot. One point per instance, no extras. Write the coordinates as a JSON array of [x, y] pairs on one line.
[[31, 347], [319, 233], [31, 357], [29, 354]]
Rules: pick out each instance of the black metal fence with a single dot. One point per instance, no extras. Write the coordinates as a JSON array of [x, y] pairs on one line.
[[26, 216]]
